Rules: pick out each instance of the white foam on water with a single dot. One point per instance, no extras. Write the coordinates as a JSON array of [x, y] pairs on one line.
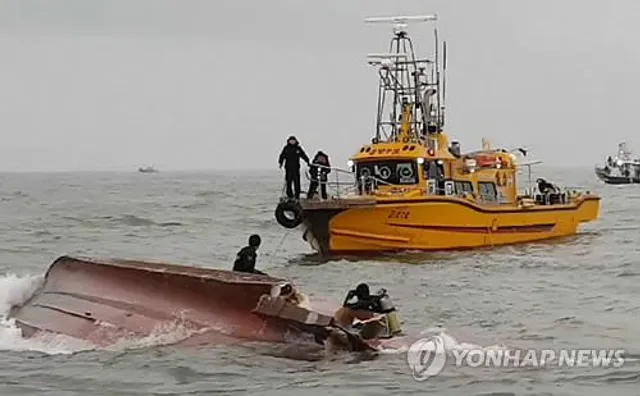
[[450, 343], [164, 333], [15, 290]]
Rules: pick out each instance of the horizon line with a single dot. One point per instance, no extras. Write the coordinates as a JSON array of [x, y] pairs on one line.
[[174, 170]]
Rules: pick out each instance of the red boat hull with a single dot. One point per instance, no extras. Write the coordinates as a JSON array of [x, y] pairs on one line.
[[105, 301]]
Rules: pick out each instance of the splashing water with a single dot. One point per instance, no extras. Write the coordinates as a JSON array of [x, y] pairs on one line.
[[15, 290], [164, 333], [450, 343]]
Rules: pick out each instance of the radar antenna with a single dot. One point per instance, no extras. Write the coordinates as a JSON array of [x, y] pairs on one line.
[[409, 88]]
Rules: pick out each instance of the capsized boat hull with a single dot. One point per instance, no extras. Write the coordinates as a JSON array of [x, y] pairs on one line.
[[439, 223], [105, 301]]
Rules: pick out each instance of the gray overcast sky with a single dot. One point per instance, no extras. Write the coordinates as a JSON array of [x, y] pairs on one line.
[[113, 85]]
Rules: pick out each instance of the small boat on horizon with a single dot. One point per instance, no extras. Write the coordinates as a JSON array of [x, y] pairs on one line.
[[621, 169], [147, 169]]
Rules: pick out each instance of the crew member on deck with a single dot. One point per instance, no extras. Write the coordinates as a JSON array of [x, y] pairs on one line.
[[290, 157], [246, 258], [319, 175], [545, 187]]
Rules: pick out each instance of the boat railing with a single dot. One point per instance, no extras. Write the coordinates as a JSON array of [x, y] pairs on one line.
[[343, 183], [336, 186]]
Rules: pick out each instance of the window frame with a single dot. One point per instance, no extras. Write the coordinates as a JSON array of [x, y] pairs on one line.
[[494, 188], [458, 187], [393, 165]]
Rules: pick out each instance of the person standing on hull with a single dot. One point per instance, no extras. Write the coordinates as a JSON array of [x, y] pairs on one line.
[[246, 258], [319, 175], [290, 158]]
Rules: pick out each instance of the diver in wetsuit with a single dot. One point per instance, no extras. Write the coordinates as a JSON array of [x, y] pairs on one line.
[[368, 306], [364, 307], [246, 258], [365, 301]]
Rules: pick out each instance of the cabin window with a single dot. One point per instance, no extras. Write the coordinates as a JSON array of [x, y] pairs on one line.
[[390, 172], [463, 187], [433, 170], [487, 191]]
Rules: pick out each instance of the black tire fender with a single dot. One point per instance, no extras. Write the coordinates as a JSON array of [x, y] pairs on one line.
[[282, 218]]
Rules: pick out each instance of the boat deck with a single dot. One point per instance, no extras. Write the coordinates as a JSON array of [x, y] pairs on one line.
[[336, 203]]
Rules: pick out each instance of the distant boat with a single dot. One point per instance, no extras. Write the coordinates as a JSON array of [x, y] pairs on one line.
[[621, 169], [148, 169]]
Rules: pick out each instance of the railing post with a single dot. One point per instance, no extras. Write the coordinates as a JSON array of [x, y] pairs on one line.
[[355, 181]]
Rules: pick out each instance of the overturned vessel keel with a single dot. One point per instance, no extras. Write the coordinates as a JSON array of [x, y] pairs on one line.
[[103, 301]]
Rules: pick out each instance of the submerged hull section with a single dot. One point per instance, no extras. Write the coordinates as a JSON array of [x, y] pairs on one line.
[[105, 301], [431, 224]]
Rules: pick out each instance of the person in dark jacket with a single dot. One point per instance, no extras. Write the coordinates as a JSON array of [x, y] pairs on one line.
[[545, 187], [246, 258], [290, 157], [319, 175]]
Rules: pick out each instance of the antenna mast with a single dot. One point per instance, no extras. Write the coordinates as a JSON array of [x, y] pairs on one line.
[[444, 82], [409, 88], [435, 36]]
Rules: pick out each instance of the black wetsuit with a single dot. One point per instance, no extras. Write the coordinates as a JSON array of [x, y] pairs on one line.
[[290, 157], [369, 303], [246, 261]]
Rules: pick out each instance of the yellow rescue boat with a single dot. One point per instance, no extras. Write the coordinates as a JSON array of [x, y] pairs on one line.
[[412, 189]]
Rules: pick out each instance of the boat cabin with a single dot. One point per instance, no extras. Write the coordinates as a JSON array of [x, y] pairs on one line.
[[410, 154], [435, 168]]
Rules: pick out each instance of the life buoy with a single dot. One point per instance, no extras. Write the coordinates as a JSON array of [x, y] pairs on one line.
[[289, 207]]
